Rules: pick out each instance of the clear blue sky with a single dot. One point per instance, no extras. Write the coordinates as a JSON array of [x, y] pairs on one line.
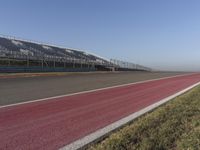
[[163, 34]]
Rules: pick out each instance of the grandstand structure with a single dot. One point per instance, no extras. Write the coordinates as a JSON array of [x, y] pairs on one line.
[[18, 55], [128, 66]]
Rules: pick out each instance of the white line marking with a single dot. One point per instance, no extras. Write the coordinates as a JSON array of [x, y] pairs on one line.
[[100, 89], [101, 132]]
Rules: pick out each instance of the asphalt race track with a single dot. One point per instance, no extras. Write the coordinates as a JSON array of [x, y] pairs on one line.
[[15, 90], [54, 123]]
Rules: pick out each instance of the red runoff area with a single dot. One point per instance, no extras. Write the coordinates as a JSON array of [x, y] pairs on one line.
[[54, 123]]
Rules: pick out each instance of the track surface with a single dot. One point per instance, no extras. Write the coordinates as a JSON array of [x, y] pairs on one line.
[[15, 90], [54, 123]]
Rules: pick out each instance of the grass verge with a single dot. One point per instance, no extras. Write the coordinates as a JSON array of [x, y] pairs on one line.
[[175, 125]]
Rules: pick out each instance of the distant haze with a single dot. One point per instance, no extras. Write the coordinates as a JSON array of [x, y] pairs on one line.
[[164, 35]]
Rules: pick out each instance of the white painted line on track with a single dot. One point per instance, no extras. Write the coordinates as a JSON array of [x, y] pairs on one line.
[[101, 132], [100, 89]]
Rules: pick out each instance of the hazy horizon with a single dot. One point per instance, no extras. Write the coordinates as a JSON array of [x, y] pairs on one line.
[[163, 35]]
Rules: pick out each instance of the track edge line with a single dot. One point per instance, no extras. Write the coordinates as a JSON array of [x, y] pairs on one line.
[[98, 89], [107, 129]]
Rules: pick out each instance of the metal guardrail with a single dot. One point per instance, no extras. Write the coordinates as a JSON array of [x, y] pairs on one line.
[[113, 62]]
